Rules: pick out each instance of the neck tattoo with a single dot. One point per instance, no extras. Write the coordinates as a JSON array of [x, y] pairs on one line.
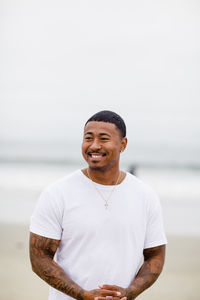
[[111, 192]]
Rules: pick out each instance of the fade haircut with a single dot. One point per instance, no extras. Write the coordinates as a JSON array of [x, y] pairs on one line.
[[109, 117]]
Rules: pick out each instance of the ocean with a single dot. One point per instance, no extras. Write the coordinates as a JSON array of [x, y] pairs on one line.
[[177, 188]]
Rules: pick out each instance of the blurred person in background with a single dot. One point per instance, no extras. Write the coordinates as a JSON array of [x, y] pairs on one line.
[[98, 233]]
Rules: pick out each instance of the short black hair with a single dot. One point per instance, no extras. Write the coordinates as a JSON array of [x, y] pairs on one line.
[[110, 117]]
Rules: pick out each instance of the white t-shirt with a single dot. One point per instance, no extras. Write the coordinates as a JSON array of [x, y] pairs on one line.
[[99, 245]]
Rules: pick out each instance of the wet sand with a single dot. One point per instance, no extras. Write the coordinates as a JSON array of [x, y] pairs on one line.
[[180, 279]]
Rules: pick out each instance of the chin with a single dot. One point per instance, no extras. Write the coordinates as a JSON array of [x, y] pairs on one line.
[[98, 168], [94, 166]]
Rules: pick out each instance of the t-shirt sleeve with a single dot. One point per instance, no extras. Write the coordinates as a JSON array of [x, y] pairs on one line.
[[47, 216], [155, 233]]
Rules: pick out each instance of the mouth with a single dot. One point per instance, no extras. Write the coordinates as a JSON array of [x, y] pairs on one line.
[[96, 156]]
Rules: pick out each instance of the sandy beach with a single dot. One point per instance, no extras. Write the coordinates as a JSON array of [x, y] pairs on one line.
[[180, 278]]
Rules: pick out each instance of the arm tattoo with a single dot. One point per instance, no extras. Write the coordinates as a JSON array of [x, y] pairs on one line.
[[149, 271], [42, 251]]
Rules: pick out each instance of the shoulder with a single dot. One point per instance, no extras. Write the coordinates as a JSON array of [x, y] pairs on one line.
[[63, 183], [141, 188], [53, 197], [134, 181], [57, 191]]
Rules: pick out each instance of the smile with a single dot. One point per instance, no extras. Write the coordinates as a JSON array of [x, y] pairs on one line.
[[96, 155]]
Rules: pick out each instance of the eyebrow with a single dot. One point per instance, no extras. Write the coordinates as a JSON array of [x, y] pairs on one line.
[[101, 133]]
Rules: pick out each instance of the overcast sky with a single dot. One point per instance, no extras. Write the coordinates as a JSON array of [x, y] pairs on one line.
[[62, 61]]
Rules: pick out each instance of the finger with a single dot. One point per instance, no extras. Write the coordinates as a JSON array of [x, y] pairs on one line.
[[105, 298], [109, 287], [110, 293]]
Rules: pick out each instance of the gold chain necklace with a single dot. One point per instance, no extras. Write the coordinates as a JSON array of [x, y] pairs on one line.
[[106, 200]]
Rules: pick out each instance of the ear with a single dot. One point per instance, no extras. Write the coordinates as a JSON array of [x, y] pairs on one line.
[[124, 142]]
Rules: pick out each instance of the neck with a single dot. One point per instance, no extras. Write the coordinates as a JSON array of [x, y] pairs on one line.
[[108, 177]]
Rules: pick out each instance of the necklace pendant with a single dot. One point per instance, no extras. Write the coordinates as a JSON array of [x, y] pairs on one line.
[[99, 192]]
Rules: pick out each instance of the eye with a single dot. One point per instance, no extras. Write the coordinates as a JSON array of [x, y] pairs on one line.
[[104, 139], [88, 138]]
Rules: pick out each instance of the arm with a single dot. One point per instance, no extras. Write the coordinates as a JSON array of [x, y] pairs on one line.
[[42, 251], [149, 271], [146, 276]]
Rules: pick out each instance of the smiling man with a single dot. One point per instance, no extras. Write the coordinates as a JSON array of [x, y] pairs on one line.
[[104, 225]]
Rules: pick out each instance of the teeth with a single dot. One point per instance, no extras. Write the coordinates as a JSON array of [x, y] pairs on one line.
[[95, 156]]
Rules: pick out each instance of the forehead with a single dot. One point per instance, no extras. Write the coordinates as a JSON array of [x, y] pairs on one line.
[[101, 127]]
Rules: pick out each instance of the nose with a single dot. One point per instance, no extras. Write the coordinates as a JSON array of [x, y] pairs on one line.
[[96, 145]]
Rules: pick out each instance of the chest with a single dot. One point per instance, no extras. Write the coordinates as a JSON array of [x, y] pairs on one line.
[[86, 215]]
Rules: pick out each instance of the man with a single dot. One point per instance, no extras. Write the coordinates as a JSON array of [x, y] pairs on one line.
[[103, 224]]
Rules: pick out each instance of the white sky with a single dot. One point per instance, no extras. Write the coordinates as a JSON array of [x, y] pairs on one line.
[[62, 61]]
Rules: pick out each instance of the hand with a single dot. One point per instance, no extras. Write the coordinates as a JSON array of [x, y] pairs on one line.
[[122, 291], [101, 293]]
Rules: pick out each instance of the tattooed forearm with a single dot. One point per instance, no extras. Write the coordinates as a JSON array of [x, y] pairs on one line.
[[149, 271], [42, 251]]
